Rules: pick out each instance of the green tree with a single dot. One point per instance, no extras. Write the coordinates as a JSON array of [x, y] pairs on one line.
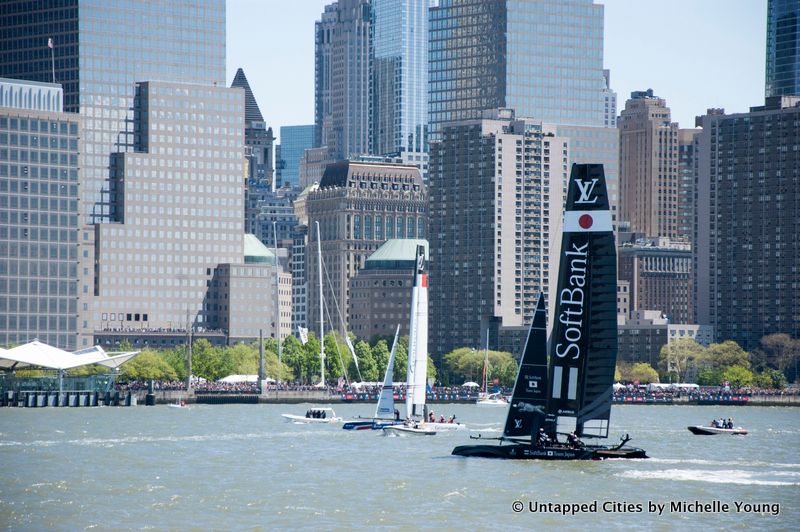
[[176, 358], [148, 365], [724, 354], [380, 353], [770, 378], [311, 359], [617, 374], [401, 359], [431, 370], [369, 369], [294, 358], [677, 357], [738, 376], [778, 351], [642, 372], [710, 377], [243, 359], [210, 362], [465, 364]]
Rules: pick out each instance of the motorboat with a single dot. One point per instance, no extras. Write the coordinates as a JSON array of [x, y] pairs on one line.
[[711, 430], [314, 415]]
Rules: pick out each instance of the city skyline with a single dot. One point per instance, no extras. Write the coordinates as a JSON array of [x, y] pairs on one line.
[[725, 69]]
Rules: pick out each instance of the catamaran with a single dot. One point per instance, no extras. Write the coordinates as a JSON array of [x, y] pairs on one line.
[[572, 396], [417, 369], [384, 410]]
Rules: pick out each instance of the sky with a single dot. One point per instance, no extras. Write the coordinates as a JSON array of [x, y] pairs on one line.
[[696, 54]]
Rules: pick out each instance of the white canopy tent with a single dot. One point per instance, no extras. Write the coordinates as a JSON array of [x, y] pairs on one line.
[[36, 354], [239, 378]]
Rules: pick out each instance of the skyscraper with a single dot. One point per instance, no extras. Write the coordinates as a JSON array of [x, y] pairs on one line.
[[648, 173], [543, 58], [783, 48], [288, 154], [359, 205], [747, 243], [258, 139], [101, 50], [39, 149], [343, 57], [496, 185], [400, 76]]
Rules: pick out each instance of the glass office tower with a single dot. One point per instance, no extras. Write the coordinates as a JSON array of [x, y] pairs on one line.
[[542, 58], [400, 76], [783, 48], [101, 49], [294, 141]]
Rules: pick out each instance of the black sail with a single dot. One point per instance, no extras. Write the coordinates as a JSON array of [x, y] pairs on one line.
[[529, 399], [583, 349]]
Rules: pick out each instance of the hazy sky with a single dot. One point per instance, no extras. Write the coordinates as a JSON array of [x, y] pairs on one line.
[[694, 53]]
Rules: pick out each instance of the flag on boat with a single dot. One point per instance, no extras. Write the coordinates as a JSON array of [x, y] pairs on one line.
[[303, 335]]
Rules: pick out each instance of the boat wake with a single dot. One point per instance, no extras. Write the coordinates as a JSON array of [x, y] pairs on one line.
[[740, 463], [728, 476]]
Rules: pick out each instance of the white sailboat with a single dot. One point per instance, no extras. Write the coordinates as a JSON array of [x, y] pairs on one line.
[[384, 410], [485, 398], [417, 371]]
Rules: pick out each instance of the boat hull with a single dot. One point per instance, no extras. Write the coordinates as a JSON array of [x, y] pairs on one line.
[[369, 424], [291, 418], [532, 452], [711, 431], [403, 430]]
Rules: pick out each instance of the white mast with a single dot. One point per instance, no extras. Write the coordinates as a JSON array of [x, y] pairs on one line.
[[321, 313]]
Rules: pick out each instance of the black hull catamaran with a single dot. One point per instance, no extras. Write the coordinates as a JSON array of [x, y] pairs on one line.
[[554, 406]]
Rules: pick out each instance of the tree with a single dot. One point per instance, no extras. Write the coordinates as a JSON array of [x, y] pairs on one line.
[[294, 359], [176, 358], [738, 376], [380, 353], [401, 359], [369, 369], [678, 357], [770, 378], [617, 374], [724, 354], [710, 377], [311, 359], [642, 372], [778, 351], [466, 364], [210, 362], [243, 359], [148, 365]]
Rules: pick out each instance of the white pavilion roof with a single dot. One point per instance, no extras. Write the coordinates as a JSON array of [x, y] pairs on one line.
[[37, 354]]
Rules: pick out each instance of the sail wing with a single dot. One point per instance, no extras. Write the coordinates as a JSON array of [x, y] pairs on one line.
[[385, 408], [584, 341], [529, 399], [418, 340]]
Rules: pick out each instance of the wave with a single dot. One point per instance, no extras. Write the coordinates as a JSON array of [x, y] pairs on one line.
[[729, 476], [746, 463]]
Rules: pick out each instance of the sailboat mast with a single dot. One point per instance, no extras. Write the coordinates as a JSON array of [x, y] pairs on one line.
[[486, 366], [321, 312], [418, 340]]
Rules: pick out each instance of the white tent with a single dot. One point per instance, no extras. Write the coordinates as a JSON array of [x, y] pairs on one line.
[[471, 384], [37, 354], [239, 378]]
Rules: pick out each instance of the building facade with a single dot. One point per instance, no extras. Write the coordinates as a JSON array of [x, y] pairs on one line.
[[400, 77], [648, 169], [380, 293], [658, 273], [39, 151], [687, 173], [181, 196], [783, 48], [343, 72], [496, 197], [258, 138], [747, 247], [288, 154], [359, 206], [100, 51]]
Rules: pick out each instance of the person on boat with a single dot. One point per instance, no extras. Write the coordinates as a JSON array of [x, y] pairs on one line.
[[308, 413], [396, 415], [431, 417], [451, 419], [441, 419], [729, 424], [574, 441], [542, 440]]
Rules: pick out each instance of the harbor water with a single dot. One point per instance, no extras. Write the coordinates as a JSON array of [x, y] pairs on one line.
[[235, 467]]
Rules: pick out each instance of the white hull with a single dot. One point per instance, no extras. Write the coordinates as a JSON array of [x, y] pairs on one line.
[[423, 430], [446, 426], [291, 418], [173, 405], [491, 402], [709, 431]]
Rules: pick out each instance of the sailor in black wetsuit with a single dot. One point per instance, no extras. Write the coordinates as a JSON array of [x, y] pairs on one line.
[[543, 440], [574, 441]]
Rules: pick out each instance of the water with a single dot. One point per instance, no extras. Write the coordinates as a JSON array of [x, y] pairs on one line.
[[242, 467]]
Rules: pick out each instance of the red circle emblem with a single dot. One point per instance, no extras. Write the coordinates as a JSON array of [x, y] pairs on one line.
[[585, 221]]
